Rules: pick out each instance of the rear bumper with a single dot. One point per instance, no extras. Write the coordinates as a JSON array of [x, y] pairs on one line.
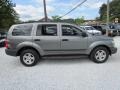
[[2, 44], [11, 52], [113, 50]]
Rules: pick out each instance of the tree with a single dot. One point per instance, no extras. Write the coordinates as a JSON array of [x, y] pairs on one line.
[[114, 11], [97, 18], [8, 15], [56, 18], [70, 20], [79, 21], [102, 12]]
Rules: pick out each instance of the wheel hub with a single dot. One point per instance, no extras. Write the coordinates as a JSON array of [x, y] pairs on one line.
[[28, 58], [100, 55]]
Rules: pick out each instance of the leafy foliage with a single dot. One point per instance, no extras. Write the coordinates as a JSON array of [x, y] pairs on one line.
[[8, 15], [56, 18], [77, 21], [114, 11]]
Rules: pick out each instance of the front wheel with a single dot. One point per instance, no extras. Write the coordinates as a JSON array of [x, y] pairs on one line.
[[29, 57], [118, 33], [99, 55]]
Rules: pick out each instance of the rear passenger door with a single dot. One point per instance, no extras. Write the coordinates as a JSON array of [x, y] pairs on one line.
[[47, 37]]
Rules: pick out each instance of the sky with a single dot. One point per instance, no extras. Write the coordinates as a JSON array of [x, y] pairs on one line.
[[33, 9]]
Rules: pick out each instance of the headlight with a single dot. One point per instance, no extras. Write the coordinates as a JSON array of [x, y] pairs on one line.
[[111, 31]]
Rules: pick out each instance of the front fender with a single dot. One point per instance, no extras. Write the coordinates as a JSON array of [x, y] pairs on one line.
[[96, 44]]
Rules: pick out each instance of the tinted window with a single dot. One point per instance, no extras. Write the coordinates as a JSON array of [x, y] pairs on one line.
[[70, 30], [97, 27], [46, 30], [111, 27], [22, 30]]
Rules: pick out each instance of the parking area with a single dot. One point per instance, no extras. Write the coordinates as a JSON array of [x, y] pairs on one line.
[[61, 73]]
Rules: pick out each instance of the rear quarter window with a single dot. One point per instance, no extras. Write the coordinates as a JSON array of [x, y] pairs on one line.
[[22, 30]]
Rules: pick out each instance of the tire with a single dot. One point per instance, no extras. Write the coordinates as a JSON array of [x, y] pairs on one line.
[[97, 57], [118, 33], [29, 57]]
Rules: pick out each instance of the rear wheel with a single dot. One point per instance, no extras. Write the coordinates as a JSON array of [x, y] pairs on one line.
[[99, 55], [29, 57]]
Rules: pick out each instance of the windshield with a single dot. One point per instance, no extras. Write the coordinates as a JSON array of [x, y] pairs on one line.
[[111, 27], [82, 28]]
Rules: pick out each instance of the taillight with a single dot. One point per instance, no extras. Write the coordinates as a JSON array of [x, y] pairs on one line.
[[6, 43]]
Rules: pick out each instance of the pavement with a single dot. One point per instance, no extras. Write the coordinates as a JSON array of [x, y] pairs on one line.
[[62, 73]]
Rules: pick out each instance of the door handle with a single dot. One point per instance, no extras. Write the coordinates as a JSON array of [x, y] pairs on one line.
[[65, 39], [36, 39]]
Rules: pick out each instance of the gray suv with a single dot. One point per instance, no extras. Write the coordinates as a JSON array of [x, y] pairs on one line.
[[32, 41]]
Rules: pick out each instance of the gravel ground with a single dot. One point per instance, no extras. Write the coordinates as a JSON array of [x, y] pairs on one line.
[[71, 73]]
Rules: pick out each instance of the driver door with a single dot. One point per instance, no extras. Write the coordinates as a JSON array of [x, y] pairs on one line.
[[72, 39]]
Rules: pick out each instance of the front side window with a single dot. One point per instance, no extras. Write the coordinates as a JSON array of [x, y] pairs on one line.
[[22, 30], [70, 30], [46, 30]]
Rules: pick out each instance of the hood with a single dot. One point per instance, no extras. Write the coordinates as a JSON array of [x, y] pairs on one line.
[[102, 37], [93, 31]]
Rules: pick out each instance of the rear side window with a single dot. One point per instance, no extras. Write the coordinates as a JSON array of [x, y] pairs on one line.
[[22, 30], [46, 30]]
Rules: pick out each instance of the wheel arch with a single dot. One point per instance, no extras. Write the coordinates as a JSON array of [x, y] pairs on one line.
[[101, 46], [25, 48]]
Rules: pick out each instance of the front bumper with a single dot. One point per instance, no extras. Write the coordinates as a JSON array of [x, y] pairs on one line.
[[11, 52], [113, 50], [112, 33]]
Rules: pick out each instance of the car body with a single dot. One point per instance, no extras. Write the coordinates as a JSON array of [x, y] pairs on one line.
[[111, 29], [34, 40], [2, 38], [117, 27], [100, 28], [2, 42], [3, 35], [91, 30]]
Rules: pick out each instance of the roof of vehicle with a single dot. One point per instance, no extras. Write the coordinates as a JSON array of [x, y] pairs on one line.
[[86, 26], [45, 23], [98, 25]]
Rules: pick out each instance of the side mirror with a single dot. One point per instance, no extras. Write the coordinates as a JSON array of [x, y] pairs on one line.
[[84, 34]]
